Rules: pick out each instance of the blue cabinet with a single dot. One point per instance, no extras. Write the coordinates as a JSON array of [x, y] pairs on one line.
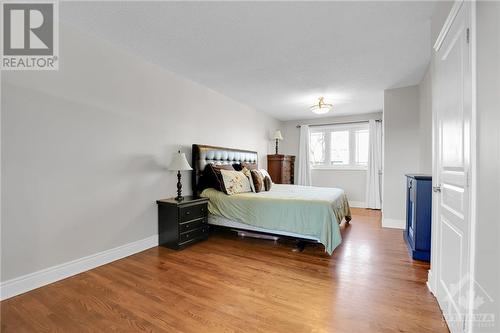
[[418, 216]]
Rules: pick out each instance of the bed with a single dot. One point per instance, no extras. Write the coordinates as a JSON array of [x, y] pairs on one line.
[[304, 212]]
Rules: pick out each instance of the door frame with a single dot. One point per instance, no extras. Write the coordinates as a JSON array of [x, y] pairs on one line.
[[432, 276]]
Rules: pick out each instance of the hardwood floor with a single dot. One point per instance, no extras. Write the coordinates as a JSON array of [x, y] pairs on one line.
[[227, 284]]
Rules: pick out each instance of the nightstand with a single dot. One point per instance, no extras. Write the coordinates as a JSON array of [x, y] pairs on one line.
[[182, 223]]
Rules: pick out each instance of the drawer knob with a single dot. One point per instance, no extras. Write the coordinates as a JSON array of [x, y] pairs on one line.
[[188, 213]]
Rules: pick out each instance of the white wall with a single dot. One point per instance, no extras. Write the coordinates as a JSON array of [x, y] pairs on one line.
[[352, 181], [439, 15], [84, 150], [401, 150], [425, 123], [487, 238], [408, 133]]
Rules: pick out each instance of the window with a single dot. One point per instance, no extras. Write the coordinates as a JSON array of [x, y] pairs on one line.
[[340, 146], [361, 149]]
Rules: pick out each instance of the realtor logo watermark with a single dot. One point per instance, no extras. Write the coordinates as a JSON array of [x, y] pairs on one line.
[[30, 35], [467, 300]]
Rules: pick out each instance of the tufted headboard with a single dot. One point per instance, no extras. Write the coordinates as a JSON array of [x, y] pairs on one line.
[[203, 155]]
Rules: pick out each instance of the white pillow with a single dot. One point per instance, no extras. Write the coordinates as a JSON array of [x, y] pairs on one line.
[[235, 182]]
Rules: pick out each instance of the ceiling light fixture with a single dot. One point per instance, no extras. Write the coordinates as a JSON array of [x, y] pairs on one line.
[[321, 107]]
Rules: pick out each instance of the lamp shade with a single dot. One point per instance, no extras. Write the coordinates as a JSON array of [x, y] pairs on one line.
[[277, 135], [179, 162]]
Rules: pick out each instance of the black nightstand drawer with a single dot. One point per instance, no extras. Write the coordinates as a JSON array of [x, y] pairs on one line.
[[189, 213], [194, 234], [188, 226]]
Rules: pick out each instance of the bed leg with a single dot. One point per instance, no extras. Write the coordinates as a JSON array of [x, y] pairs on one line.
[[299, 246]]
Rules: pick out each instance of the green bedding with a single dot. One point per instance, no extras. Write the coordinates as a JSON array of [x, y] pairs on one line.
[[305, 210]]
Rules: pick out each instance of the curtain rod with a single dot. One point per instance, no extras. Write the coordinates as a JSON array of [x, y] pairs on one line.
[[340, 123]]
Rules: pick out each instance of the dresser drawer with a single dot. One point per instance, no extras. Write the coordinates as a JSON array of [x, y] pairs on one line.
[[189, 213], [285, 173], [191, 225], [194, 234]]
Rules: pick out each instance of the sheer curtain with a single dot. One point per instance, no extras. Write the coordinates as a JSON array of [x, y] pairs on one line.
[[304, 165], [373, 190]]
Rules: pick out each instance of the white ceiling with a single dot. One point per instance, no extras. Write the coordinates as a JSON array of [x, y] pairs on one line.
[[277, 57]]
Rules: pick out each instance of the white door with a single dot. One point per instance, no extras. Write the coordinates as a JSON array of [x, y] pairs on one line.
[[451, 225]]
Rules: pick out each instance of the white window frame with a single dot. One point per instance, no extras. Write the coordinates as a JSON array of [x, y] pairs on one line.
[[352, 128]]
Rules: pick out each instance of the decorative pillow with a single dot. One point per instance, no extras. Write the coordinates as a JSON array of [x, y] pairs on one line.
[[267, 183], [235, 182], [237, 166], [222, 167], [264, 174], [248, 174], [212, 177], [258, 181], [249, 166], [217, 168]]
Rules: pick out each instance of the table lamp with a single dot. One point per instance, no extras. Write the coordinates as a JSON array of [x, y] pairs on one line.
[[277, 137], [179, 163]]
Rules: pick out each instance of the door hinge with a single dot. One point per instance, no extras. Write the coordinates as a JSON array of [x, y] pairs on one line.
[[467, 34]]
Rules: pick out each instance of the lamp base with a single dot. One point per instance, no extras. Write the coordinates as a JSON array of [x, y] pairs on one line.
[[179, 187]]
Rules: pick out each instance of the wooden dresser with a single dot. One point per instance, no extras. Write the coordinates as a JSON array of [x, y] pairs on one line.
[[281, 168]]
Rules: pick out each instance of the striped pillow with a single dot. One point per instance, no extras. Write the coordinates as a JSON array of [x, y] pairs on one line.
[[267, 183], [258, 181]]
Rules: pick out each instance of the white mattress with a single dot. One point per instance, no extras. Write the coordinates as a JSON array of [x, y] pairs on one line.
[[225, 222]]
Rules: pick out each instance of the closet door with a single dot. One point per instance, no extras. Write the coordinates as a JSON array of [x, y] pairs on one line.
[[452, 150]]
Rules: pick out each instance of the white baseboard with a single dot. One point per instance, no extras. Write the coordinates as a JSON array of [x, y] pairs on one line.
[[52, 274], [393, 223], [429, 281], [357, 204]]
